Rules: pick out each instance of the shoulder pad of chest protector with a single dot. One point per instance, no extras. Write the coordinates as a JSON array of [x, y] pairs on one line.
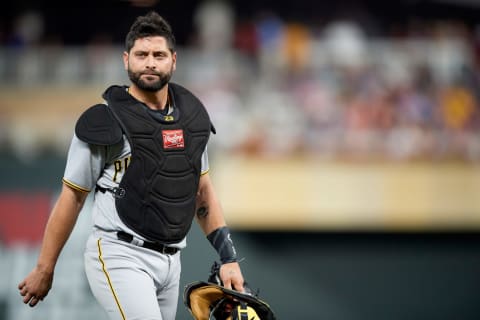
[[98, 126]]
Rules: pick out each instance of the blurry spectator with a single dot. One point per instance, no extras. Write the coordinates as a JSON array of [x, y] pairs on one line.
[[346, 44], [361, 131], [457, 106], [27, 32], [28, 29], [228, 116], [246, 38], [317, 100], [270, 31], [216, 64], [416, 103], [296, 47], [215, 25], [449, 52], [100, 68], [276, 126]]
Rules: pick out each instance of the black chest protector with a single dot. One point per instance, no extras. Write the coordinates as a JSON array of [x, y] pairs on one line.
[[156, 196]]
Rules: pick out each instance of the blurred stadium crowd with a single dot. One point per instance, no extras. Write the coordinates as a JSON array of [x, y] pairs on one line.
[[280, 87]]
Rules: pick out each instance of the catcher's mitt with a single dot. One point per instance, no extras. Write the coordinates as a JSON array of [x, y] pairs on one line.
[[211, 301]]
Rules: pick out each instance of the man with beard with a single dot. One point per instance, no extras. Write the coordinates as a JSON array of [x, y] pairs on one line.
[[143, 153]]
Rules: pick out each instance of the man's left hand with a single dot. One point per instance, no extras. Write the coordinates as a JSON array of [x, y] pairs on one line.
[[231, 276]]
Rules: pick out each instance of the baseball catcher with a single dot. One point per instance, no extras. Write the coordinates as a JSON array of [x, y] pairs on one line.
[[211, 301]]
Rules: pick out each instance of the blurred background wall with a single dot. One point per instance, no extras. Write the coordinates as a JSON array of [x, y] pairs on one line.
[[347, 156]]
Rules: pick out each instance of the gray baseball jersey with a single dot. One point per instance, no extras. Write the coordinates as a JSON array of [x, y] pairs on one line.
[[129, 281]]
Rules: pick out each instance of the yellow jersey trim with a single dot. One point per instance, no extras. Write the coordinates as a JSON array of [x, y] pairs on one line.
[[204, 172], [104, 268], [74, 186]]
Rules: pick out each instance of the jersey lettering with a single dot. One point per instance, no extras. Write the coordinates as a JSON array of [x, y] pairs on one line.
[[120, 167]]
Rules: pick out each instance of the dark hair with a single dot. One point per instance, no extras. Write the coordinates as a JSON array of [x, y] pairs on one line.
[[151, 24]]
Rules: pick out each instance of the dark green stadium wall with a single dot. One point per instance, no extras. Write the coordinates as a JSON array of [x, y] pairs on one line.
[[354, 276]]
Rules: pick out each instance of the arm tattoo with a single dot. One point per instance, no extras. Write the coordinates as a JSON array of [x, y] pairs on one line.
[[202, 212]]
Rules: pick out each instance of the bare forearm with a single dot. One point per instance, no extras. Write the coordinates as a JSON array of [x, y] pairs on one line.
[[210, 218], [209, 212], [59, 227]]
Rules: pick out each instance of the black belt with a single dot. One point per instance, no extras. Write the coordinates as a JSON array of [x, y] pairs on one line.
[[149, 245]]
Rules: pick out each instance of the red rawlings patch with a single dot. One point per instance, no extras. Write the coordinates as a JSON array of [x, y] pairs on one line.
[[173, 139]]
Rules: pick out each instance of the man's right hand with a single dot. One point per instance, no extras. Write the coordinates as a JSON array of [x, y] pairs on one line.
[[35, 286]]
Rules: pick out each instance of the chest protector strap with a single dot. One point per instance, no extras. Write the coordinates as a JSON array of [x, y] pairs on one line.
[[161, 182]]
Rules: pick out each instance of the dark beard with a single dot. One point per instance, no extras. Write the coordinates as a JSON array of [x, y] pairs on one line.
[[163, 79]]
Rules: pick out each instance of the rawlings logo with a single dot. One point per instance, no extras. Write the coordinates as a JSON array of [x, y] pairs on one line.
[[173, 139]]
